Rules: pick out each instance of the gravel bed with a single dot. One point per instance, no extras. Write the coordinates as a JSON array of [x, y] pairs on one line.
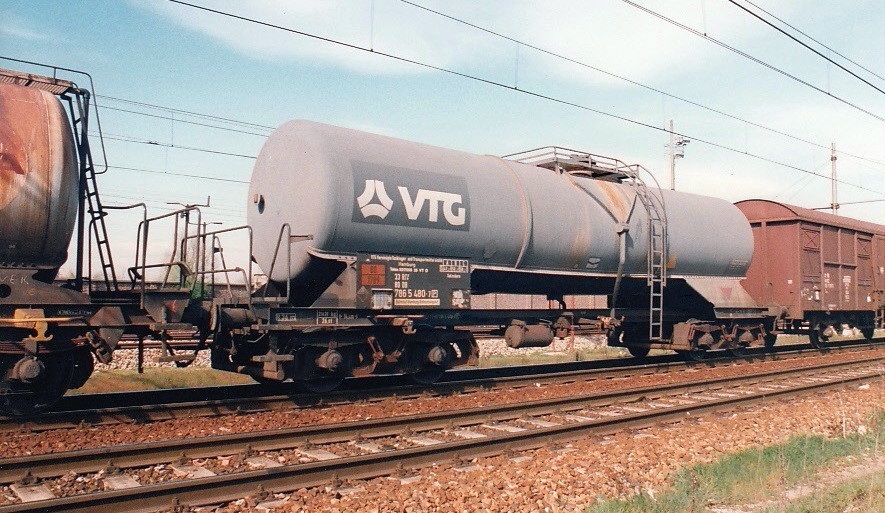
[[128, 359], [569, 478], [498, 347]]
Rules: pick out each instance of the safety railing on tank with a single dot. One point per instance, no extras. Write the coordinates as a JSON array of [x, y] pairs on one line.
[[567, 160], [138, 272], [201, 272], [286, 230]]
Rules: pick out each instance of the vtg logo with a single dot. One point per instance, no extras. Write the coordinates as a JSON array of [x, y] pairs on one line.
[[374, 189], [446, 201], [431, 205]]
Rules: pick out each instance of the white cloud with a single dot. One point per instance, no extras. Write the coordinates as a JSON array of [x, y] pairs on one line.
[[15, 27], [379, 26], [610, 35]]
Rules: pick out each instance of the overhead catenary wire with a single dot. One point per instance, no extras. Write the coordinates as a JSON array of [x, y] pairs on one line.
[[514, 88], [749, 57], [180, 174], [852, 61], [188, 112], [804, 180], [185, 121], [150, 142], [635, 82], [794, 38]]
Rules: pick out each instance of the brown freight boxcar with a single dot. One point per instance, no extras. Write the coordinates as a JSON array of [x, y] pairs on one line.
[[815, 271]]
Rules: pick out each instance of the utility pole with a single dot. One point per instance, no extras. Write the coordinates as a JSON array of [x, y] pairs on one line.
[[676, 148], [834, 205]]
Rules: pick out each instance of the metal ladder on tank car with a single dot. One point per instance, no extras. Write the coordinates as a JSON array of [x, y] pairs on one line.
[[598, 167], [657, 255], [89, 184]]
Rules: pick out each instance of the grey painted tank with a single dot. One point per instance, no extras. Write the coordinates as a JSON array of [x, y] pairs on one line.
[[356, 192], [38, 179]]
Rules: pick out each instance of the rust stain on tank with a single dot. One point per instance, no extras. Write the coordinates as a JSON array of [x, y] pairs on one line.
[[13, 161], [38, 177], [615, 200]]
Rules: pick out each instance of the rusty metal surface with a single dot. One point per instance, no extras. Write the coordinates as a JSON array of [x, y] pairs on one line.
[[38, 178], [49, 84], [806, 260], [771, 211]]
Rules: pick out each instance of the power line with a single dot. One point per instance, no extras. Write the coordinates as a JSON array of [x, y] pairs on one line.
[[149, 142], [784, 32], [178, 120], [801, 179], [748, 56], [634, 82], [858, 202], [509, 87], [859, 65], [177, 173], [188, 112]]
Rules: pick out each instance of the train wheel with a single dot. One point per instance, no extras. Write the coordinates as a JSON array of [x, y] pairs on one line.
[[433, 360], [321, 369], [638, 351], [614, 337], [31, 385]]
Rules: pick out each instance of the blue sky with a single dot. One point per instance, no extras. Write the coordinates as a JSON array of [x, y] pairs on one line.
[[170, 55]]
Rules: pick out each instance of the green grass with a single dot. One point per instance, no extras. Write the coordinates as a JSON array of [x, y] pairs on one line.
[[153, 378], [759, 474], [861, 495]]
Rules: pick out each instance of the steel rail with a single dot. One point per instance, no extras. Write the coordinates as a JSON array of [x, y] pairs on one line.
[[129, 456], [227, 487], [176, 404], [376, 388]]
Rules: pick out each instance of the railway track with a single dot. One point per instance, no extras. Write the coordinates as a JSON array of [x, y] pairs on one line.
[[157, 405], [199, 470]]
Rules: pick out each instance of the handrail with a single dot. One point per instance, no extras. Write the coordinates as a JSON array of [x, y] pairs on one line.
[[288, 230], [142, 237], [571, 161], [201, 250], [134, 274]]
